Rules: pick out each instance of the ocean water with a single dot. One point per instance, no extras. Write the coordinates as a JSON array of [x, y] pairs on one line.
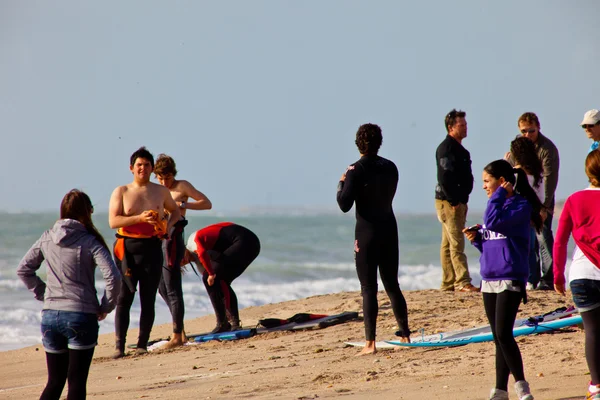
[[301, 256]]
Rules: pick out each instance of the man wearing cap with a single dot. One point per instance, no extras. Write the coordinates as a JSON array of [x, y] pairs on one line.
[[529, 126], [223, 251], [591, 125]]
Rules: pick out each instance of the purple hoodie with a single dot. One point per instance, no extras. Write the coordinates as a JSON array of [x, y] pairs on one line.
[[504, 239]]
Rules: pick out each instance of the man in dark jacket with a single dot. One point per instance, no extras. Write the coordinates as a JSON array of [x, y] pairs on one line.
[[455, 183], [529, 126]]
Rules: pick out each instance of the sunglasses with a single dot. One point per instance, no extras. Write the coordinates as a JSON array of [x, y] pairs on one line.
[[589, 126], [525, 131]]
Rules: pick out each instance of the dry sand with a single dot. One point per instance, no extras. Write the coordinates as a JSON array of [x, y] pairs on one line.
[[315, 364]]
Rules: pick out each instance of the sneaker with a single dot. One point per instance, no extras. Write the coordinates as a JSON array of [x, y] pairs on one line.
[[529, 286], [595, 395], [468, 288], [523, 392], [498, 394]]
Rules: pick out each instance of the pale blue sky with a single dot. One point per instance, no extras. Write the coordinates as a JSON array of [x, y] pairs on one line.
[[259, 101]]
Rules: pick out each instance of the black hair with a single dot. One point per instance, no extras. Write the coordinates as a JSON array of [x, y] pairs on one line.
[[452, 116], [142, 152], [523, 151], [502, 169]]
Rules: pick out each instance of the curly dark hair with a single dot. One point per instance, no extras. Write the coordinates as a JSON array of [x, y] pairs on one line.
[[369, 139], [452, 116], [524, 154], [165, 165]]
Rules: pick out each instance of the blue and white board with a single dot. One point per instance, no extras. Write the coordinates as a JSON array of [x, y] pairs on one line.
[[234, 335], [541, 327], [553, 315]]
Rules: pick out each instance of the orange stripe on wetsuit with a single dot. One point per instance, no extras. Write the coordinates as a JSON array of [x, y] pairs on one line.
[[142, 230]]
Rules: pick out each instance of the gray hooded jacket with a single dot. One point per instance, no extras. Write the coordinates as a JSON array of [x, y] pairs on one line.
[[71, 255]]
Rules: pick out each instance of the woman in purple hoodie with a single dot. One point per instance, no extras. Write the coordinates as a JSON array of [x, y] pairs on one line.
[[71, 250], [503, 241]]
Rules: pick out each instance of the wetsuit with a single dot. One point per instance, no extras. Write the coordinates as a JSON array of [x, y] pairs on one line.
[[225, 250], [371, 183], [170, 288], [138, 253]]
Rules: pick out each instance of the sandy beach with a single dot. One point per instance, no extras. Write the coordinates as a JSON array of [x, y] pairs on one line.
[[316, 364]]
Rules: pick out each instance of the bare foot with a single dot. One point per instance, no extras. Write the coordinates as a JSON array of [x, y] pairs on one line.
[[177, 339], [368, 349], [404, 339]]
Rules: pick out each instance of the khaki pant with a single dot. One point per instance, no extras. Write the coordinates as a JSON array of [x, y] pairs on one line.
[[455, 271]]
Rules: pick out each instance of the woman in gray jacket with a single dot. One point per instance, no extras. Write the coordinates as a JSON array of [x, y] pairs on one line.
[[72, 249]]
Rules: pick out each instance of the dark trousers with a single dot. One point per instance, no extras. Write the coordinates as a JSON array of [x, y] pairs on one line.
[[546, 243], [375, 250], [501, 310], [170, 287], [144, 260]]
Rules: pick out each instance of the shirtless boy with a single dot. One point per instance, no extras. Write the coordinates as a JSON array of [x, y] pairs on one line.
[[170, 287], [137, 211]]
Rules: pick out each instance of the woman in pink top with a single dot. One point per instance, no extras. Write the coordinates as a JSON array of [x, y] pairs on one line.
[[581, 218]]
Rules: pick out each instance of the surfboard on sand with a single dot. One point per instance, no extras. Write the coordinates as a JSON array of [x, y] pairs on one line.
[[319, 323], [541, 327], [471, 332]]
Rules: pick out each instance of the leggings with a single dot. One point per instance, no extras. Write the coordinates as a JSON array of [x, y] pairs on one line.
[[591, 323], [73, 367], [372, 249], [144, 259], [501, 310], [170, 288]]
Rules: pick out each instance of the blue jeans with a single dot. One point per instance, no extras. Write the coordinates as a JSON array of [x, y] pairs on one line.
[[64, 330], [546, 243], [586, 294]]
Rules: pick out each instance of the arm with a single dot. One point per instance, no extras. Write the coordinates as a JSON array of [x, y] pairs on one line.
[[502, 220], [346, 190], [550, 164], [112, 278], [474, 236], [30, 263], [204, 257], [565, 227], [116, 219], [201, 201]]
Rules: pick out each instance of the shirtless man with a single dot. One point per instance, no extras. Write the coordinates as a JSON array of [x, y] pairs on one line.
[[170, 287], [137, 211]]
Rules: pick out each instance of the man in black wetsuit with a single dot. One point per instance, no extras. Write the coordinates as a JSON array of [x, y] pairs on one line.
[[371, 183]]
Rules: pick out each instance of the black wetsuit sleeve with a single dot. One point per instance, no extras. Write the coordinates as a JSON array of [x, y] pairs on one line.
[[447, 173], [346, 193]]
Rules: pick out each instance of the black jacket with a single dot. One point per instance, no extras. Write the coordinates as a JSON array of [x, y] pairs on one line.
[[454, 175]]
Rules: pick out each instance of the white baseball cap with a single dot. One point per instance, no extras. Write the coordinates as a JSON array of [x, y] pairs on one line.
[[191, 243], [591, 117]]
